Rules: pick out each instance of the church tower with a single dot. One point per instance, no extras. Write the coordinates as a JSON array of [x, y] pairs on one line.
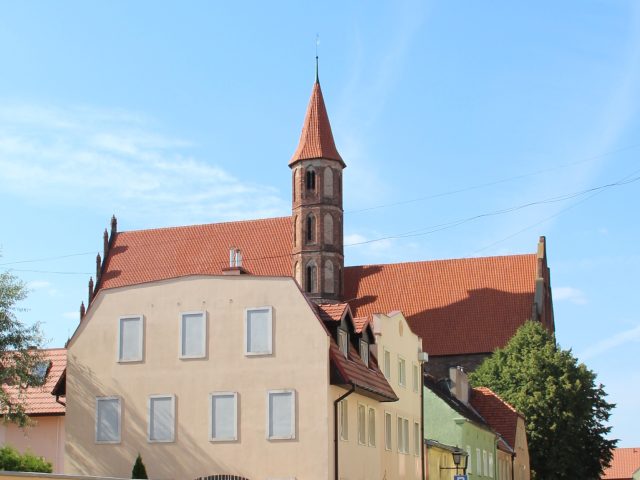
[[316, 168]]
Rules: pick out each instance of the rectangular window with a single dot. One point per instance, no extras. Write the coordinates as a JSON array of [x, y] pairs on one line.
[[478, 462], [485, 463], [387, 431], [130, 339], [224, 417], [403, 435], [364, 352], [258, 331], [406, 435], [281, 405], [491, 464], [402, 372], [416, 378], [343, 341], [362, 431], [372, 427], [387, 365], [108, 419], [416, 438], [469, 460], [161, 418], [343, 408], [193, 335]]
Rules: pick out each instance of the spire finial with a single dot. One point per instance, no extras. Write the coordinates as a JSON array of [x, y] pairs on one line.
[[317, 43]]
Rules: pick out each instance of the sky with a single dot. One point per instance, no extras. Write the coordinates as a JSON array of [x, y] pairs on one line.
[[468, 129]]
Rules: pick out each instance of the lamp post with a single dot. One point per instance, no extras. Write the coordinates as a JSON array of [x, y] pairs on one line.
[[459, 456]]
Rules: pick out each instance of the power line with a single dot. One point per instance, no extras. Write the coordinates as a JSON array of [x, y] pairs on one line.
[[46, 259]]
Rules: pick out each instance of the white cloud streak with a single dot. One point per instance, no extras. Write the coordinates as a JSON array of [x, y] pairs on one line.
[[115, 161], [569, 294], [628, 336]]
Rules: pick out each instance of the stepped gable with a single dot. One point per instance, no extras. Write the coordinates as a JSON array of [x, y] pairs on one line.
[[461, 306]]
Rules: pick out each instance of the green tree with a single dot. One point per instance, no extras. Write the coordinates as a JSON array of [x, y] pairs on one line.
[[565, 411], [12, 461], [139, 470], [18, 358]]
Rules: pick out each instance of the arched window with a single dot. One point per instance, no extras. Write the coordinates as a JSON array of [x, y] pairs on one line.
[[328, 277], [311, 285], [295, 230], [311, 180], [311, 229], [328, 229], [328, 182], [296, 182]]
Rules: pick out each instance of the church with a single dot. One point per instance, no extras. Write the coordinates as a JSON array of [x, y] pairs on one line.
[[249, 348]]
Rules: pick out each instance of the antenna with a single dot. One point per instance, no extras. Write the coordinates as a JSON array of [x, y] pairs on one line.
[[317, 43]]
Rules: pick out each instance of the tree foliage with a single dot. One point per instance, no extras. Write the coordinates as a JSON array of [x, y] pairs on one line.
[[12, 461], [565, 411], [139, 470], [18, 357]]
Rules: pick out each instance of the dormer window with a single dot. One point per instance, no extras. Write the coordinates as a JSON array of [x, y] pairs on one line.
[[343, 342], [39, 371], [311, 180], [364, 352]]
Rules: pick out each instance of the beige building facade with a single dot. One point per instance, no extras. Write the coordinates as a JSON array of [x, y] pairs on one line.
[[44, 438]]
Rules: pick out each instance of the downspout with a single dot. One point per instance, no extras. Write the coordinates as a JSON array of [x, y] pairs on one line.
[[422, 439], [60, 401], [335, 428]]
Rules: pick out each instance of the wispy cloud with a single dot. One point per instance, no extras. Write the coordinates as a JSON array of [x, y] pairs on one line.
[[628, 336], [569, 294], [116, 161], [42, 285]]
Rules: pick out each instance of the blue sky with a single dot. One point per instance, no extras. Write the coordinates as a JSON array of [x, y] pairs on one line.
[[172, 114]]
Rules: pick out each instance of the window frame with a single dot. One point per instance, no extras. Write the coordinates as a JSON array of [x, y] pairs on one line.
[[478, 462], [150, 399], [212, 395], [386, 355], [343, 412], [205, 337], [109, 398], [343, 337], [119, 345], [247, 353], [469, 460], [371, 430], [364, 349], [415, 370], [362, 424], [491, 466], [416, 438], [388, 431], [293, 415], [402, 372]]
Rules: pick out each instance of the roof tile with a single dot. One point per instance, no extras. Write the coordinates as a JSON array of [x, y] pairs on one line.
[[626, 461]]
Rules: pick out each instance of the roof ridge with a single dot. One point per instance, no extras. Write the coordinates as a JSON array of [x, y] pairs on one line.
[[178, 227], [491, 392], [461, 259]]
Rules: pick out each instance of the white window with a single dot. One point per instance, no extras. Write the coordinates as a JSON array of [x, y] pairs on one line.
[[403, 435], [343, 341], [364, 352], [402, 372], [416, 378], [491, 464], [130, 339], [478, 462], [387, 365], [161, 427], [258, 331], [485, 463], [108, 414], [372, 427], [343, 408], [469, 459], [223, 425], [281, 414], [362, 422], [387, 430], [416, 438], [193, 335]]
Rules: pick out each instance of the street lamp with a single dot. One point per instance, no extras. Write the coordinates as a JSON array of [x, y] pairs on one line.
[[460, 456]]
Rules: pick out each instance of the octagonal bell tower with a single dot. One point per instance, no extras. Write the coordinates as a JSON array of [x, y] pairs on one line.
[[316, 168]]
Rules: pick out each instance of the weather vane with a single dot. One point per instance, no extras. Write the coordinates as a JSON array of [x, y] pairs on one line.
[[317, 43]]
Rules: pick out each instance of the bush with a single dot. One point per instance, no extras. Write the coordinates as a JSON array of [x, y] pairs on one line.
[[11, 460], [139, 471]]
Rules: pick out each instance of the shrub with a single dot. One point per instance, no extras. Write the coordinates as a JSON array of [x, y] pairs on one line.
[[11, 460], [139, 471]]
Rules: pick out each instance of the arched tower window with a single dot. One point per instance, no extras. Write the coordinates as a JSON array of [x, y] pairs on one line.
[[328, 229], [295, 230], [328, 277], [311, 284], [311, 229], [311, 180], [328, 182]]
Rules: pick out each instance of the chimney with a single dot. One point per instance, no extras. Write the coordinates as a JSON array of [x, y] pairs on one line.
[[235, 263], [459, 384], [90, 289]]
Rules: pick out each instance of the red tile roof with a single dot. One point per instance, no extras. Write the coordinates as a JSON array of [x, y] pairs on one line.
[[626, 461], [360, 323], [316, 140], [469, 305], [332, 312], [38, 400], [500, 415], [443, 300]]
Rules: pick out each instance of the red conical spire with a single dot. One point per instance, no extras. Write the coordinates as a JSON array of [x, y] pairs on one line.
[[316, 140]]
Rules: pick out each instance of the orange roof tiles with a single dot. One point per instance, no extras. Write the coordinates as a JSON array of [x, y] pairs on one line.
[[332, 312], [469, 305], [38, 400], [626, 461], [500, 415], [316, 140], [360, 323]]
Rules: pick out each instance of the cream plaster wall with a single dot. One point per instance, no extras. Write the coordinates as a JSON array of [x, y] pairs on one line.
[[521, 462], [45, 438], [394, 335], [503, 465], [299, 361]]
